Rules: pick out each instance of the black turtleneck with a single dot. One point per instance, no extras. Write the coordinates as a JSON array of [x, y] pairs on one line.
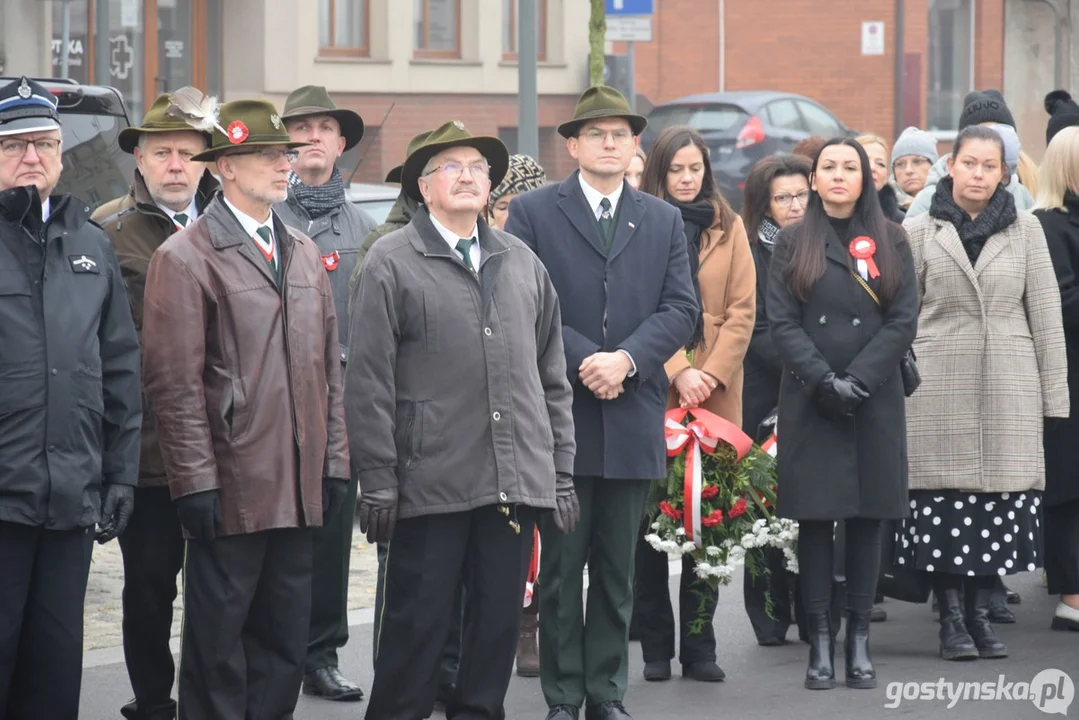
[[841, 227]]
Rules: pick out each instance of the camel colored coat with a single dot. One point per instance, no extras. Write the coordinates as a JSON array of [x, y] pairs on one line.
[[728, 281]]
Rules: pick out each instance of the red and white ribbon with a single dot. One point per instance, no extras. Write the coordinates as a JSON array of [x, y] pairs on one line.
[[706, 430], [533, 567], [769, 446]]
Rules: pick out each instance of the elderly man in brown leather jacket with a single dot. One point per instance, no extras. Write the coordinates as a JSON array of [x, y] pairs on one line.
[[242, 368]]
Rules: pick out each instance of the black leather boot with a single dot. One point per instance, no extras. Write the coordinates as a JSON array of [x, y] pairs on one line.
[[955, 642], [861, 674], [820, 675], [978, 624]]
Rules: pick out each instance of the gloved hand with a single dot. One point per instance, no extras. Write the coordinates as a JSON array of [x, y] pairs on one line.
[[837, 397], [200, 513], [567, 512], [115, 512], [334, 491], [378, 514]]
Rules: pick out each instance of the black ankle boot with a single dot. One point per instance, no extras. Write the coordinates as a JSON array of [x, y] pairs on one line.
[[955, 642], [820, 675], [978, 624], [860, 672]]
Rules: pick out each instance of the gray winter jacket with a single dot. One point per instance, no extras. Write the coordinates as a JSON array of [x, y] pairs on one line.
[[456, 390], [1023, 199]]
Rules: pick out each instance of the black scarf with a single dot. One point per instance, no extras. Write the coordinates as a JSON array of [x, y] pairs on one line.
[[321, 199], [997, 215], [889, 204], [698, 216], [766, 232], [1071, 202]]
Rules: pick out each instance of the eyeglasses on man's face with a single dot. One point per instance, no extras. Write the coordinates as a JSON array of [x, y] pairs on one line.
[[17, 147], [596, 136], [454, 170], [271, 155], [785, 199]]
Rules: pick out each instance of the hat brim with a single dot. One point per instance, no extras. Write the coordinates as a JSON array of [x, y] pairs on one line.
[[214, 153], [492, 149], [394, 175], [637, 123], [28, 125], [128, 138], [350, 121]]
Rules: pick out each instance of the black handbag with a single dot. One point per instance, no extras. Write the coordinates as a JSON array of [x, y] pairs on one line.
[[908, 365]]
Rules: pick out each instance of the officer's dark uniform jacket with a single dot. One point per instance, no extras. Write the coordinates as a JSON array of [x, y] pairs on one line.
[[70, 398]]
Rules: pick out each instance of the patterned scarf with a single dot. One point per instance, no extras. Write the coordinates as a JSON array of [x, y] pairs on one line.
[[997, 215], [319, 199], [766, 232]]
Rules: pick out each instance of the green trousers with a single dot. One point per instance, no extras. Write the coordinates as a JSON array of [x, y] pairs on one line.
[[588, 664], [331, 551]]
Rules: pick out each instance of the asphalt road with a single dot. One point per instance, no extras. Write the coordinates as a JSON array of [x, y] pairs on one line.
[[762, 683]]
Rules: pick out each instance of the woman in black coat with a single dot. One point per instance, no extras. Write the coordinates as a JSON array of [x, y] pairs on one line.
[[843, 305], [1058, 211], [776, 194]]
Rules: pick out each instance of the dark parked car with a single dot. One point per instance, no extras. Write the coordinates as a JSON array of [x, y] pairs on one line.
[[96, 170], [742, 127]]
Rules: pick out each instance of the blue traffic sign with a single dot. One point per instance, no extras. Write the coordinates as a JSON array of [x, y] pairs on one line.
[[629, 7]]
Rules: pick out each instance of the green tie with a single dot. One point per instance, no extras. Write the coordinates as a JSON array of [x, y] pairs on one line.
[[267, 237], [606, 222], [464, 246], [181, 219]]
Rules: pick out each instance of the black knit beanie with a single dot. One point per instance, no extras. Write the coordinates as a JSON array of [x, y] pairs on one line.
[[1063, 112], [985, 106]]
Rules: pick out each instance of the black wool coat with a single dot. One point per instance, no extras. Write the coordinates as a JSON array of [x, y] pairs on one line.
[[762, 367], [856, 466]]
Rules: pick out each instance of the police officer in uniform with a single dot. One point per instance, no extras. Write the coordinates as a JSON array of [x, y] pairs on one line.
[[70, 410]]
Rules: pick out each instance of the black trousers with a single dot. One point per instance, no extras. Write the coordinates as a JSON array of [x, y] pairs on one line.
[[153, 550], [332, 551], [247, 606], [428, 558], [781, 586], [655, 616], [817, 564], [43, 577], [1062, 548]]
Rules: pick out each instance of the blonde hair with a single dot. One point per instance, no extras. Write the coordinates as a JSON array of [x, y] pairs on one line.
[[1028, 173], [871, 139], [1060, 170]]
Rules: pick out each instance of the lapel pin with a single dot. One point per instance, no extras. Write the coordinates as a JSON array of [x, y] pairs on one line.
[[632, 225]]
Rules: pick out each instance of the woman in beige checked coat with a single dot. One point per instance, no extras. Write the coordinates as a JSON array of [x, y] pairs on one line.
[[990, 349]]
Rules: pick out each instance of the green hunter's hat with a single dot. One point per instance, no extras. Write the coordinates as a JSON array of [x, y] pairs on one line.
[[601, 101], [157, 120], [394, 175], [452, 134], [314, 100], [244, 124]]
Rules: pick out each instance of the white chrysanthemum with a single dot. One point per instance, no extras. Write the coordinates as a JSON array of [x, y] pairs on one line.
[[712, 551], [688, 547], [680, 531]]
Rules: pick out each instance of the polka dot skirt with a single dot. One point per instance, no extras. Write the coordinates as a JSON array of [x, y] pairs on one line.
[[967, 533]]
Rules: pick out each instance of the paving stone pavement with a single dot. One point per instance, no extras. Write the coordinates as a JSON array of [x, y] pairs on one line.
[[104, 611]]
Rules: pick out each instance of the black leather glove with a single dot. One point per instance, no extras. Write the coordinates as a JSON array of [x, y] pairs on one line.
[[334, 491], [837, 397], [115, 512], [378, 514], [200, 513], [567, 511]]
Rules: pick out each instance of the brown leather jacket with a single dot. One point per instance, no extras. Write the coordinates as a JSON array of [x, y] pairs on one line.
[[244, 378], [137, 227]]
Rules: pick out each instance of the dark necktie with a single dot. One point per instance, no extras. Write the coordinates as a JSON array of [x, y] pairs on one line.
[[181, 219], [464, 246], [606, 222]]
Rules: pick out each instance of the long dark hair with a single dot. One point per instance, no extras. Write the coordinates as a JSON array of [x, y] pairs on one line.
[[654, 178], [807, 261], [757, 199]]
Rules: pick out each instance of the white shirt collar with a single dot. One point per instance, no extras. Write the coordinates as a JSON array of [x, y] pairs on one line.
[[452, 239], [250, 224], [46, 209], [594, 197], [191, 211]]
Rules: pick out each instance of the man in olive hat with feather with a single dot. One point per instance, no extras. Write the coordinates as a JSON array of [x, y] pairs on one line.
[[458, 410], [169, 191], [242, 369]]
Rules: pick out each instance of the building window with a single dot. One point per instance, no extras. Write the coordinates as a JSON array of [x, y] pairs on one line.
[[343, 27], [951, 61], [510, 25], [438, 28]]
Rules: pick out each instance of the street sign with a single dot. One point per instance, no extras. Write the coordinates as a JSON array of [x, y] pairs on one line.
[[629, 28], [628, 7], [872, 38]]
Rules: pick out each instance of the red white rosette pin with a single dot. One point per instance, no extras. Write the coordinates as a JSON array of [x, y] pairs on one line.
[[237, 132], [864, 248]]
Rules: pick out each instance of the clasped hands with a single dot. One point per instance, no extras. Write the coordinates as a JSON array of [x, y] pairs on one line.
[[604, 372], [694, 387], [837, 397]]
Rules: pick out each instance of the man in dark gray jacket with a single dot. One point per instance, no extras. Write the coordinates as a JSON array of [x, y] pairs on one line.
[[317, 207], [459, 413]]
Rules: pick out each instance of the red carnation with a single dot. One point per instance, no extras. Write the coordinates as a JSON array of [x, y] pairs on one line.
[[667, 509], [713, 519], [709, 492], [737, 509]]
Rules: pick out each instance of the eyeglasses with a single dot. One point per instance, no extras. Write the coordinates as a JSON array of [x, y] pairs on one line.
[[785, 199], [595, 136], [913, 162], [454, 170], [271, 155], [16, 147]]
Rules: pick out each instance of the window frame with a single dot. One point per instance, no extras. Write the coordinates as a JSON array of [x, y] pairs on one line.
[[839, 127], [333, 50], [767, 108], [510, 55], [426, 53]]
